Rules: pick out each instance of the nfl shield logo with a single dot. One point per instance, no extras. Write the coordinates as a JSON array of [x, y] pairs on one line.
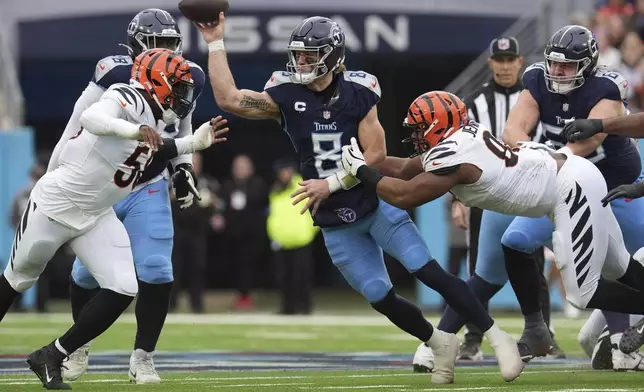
[[565, 107], [504, 44], [326, 114]]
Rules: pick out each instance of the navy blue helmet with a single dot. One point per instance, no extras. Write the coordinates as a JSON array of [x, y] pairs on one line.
[[571, 56], [153, 28], [316, 47]]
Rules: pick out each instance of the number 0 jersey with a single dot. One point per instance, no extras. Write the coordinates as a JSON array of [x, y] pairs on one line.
[[96, 172], [520, 181]]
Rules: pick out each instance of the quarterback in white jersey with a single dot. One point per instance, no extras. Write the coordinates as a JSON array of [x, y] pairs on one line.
[[73, 203], [464, 158]]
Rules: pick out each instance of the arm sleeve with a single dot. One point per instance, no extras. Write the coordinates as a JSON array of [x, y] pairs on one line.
[[103, 119]]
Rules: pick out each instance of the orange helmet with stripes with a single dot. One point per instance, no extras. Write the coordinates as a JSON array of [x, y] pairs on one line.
[[165, 75], [433, 117]]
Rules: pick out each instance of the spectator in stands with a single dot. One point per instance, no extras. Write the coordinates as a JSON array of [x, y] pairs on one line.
[[609, 56], [291, 235], [632, 50], [246, 199]]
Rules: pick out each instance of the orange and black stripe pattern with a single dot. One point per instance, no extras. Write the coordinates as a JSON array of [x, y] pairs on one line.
[[158, 70], [436, 115]]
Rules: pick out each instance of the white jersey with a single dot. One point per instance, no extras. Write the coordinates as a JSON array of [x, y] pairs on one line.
[[96, 172], [521, 181]]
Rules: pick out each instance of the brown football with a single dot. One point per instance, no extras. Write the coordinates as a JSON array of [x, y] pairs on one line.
[[203, 11]]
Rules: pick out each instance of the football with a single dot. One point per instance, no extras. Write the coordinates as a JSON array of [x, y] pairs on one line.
[[203, 11]]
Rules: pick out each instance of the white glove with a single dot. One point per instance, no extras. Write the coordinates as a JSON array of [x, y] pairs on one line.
[[200, 140], [352, 157]]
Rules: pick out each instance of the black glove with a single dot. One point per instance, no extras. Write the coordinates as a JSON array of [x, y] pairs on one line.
[[582, 129], [631, 191], [184, 183]]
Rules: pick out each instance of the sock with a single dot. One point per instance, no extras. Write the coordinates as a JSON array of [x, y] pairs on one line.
[[99, 314], [456, 292], [544, 288], [616, 297], [151, 310], [7, 296], [634, 275], [533, 319], [452, 322], [523, 273], [79, 297], [616, 322], [404, 315]]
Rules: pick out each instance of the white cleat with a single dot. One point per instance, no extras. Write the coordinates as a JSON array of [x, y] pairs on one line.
[[142, 368], [445, 348], [623, 362], [76, 364], [423, 359], [507, 353]]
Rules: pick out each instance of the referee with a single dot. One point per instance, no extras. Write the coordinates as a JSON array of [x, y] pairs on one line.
[[490, 105]]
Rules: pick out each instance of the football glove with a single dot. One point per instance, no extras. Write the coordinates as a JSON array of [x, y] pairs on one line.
[[630, 191], [582, 129], [184, 184], [352, 157]]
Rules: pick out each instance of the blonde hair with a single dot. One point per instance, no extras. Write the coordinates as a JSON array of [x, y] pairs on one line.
[[340, 69]]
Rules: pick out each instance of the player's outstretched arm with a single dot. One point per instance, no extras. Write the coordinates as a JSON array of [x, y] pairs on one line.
[[605, 108], [521, 120], [403, 168], [372, 138], [403, 194], [629, 126], [244, 103]]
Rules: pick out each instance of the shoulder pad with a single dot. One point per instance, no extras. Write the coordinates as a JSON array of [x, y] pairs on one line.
[[112, 69], [615, 77], [364, 79], [278, 78], [536, 68], [129, 98], [443, 155]]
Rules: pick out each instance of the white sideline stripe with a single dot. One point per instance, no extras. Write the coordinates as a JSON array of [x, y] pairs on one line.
[[273, 319], [357, 387], [21, 381]]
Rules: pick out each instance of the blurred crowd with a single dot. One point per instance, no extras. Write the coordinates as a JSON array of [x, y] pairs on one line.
[[619, 28]]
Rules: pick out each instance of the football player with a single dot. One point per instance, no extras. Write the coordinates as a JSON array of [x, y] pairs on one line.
[[570, 85], [72, 204], [464, 158], [145, 213], [630, 126], [321, 106]]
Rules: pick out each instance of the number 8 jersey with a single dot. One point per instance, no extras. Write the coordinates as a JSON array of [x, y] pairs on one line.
[[96, 172], [521, 181], [319, 124]]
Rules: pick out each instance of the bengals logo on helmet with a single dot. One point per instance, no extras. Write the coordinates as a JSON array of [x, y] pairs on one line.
[[166, 76], [433, 117]]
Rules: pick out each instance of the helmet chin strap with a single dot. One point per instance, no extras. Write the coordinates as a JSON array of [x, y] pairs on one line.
[[169, 116]]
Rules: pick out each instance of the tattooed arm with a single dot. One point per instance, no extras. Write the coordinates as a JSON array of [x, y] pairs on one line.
[[244, 103]]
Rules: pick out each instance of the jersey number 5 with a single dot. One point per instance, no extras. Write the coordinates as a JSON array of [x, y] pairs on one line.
[[134, 161], [501, 150]]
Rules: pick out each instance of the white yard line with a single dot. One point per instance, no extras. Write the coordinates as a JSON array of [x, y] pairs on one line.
[[273, 319]]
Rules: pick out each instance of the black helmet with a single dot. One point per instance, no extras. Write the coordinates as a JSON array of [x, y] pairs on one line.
[[324, 39], [571, 44], [153, 28]]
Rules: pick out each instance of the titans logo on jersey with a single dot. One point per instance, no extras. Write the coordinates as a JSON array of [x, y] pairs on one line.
[[118, 69], [617, 157], [319, 124]]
